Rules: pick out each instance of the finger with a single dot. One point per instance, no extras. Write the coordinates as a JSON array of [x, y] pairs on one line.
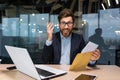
[[50, 25], [97, 50], [96, 54]]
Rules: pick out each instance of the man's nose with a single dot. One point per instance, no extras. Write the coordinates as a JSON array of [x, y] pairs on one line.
[[66, 26]]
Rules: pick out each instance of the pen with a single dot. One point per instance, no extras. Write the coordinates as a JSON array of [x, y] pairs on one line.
[[11, 68]]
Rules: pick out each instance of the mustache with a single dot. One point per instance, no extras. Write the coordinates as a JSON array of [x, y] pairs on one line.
[[66, 29]]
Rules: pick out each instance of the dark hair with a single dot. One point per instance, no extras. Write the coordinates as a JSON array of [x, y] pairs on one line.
[[98, 30], [66, 13]]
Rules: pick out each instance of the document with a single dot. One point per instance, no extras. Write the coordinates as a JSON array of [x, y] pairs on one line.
[[82, 59], [89, 47]]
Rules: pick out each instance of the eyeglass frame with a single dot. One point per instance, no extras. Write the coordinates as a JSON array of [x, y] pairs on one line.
[[66, 23]]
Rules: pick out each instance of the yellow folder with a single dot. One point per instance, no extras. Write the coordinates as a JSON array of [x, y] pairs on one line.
[[80, 62]]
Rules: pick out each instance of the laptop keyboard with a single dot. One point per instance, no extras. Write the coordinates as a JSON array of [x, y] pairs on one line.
[[44, 72]]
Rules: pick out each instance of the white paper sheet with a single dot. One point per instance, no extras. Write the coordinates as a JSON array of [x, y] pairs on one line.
[[89, 47]]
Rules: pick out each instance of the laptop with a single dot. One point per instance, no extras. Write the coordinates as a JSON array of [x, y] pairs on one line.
[[24, 64]]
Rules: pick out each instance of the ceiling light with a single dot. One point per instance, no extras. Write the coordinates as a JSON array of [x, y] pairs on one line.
[[117, 2], [108, 2], [103, 6]]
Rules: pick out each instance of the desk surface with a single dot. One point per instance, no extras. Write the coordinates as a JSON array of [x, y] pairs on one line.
[[104, 72]]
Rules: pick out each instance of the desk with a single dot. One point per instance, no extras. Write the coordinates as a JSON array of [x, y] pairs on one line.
[[105, 72]]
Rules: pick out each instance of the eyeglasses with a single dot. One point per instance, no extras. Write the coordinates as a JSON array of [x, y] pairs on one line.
[[68, 23]]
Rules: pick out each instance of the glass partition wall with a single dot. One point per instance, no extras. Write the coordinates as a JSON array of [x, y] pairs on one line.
[[24, 25]]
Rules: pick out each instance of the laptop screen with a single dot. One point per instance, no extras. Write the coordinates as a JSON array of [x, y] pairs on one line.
[[23, 62]]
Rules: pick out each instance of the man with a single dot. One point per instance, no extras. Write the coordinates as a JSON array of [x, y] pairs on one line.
[[62, 47], [98, 39]]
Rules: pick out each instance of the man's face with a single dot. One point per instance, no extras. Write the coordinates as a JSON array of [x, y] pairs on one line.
[[66, 26]]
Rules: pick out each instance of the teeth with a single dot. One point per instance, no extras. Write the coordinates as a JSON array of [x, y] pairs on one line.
[[65, 30]]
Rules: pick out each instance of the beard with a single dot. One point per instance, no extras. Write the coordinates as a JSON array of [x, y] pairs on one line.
[[66, 32]]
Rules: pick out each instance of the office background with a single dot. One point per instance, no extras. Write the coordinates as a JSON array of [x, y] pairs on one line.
[[23, 24]]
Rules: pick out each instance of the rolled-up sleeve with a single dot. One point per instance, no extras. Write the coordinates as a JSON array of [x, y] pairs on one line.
[[48, 43]]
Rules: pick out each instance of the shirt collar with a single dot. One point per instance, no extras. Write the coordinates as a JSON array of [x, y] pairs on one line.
[[62, 37]]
